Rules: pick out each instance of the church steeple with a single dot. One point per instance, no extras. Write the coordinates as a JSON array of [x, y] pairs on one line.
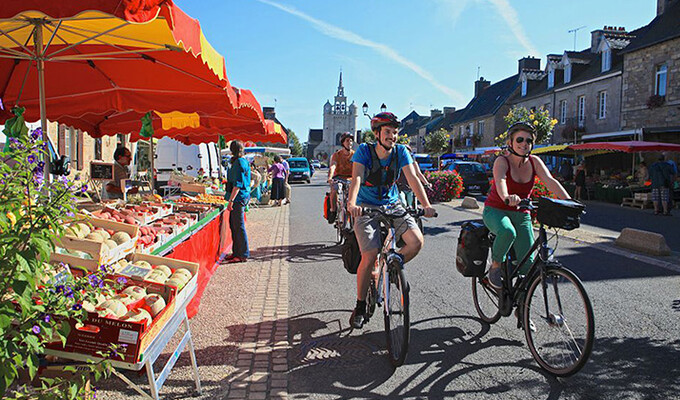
[[341, 90]]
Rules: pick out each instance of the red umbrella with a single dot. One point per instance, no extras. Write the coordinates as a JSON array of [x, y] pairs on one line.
[[634, 146]]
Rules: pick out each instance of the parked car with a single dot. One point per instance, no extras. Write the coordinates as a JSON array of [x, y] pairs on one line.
[[316, 164], [475, 179], [300, 170]]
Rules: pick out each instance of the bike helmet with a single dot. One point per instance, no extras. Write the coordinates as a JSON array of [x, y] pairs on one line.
[[382, 119], [522, 126], [345, 136]]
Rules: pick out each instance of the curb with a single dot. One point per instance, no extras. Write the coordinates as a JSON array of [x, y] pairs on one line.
[[597, 240]]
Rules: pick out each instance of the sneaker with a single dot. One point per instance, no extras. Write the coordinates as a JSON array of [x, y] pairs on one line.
[[331, 216], [357, 321], [495, 278]]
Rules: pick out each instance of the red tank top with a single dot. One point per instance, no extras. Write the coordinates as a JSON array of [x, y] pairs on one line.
[[523, 190]]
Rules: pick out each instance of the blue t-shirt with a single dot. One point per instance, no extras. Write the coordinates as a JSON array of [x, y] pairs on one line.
[[371, 195], [239, 176]]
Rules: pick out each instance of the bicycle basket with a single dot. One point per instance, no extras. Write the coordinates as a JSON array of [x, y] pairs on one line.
[[473, 249], [564, 214]]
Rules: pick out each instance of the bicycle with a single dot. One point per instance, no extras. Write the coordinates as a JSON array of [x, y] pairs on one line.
[[343, 223], [388, 281], [550, 316]]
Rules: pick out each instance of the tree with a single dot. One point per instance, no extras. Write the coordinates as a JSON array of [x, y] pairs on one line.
[[437, 142], [367, 136], [294, 144]]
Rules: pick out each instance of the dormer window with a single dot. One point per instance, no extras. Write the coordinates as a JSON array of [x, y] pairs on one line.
[[606, 60], [567, 73], [524, 86], [551, 77]]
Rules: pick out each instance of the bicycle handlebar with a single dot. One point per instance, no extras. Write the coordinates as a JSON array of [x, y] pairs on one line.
[[419, 212], [524, 204]]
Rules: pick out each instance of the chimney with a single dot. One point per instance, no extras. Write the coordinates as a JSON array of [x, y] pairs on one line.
[[435, 113], [528, 63], [449, 110], [595, 37], [480, 85], [269, 113]]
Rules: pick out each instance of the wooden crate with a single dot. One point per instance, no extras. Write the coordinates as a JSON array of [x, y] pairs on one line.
[[192, 187], [636, 203]]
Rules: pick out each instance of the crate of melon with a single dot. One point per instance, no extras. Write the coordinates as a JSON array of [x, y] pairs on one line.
[[92, 242]]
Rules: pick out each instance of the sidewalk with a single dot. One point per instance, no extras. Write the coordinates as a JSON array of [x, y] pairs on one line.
[[240, 333], [603, 222]]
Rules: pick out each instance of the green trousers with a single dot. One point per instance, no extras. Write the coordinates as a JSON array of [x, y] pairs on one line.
[[512, 229]]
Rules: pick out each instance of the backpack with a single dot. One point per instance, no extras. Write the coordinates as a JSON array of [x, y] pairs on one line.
[[374, 175], [473, 249], [326, 205], [351, 255]]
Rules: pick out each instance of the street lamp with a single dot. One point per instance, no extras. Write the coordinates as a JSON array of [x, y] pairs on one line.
[[364, 108]]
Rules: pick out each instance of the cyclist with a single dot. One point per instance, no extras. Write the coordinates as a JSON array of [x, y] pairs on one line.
[[376, 169], [513, 180], [340, 168], [405, 193]]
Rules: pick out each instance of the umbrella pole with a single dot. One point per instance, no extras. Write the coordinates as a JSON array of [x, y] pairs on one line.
[[151, 158], [38, 41]]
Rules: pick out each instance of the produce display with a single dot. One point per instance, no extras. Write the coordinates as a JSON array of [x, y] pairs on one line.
[[204, 199]]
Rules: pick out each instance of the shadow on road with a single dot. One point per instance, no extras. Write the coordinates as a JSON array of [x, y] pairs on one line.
[[310, 252]]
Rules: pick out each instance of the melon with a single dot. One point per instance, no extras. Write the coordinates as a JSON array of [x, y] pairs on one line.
[[138, 315], [144, 264], [103, 233], [83, 229], [124, 298], [164, 269], [181, 277], [113, 306], [157, 278], [184, 272], [177, 282], [121, 237], [136, 292], [155, 303], [110, 244], [95, 236]]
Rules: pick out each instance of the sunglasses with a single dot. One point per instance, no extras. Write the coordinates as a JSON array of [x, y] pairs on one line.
[[521, 139]]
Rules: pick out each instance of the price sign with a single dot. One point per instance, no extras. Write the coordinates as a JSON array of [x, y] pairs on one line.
[[101, 171], [135, 271]]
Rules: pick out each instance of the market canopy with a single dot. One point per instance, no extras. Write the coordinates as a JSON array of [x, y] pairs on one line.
[[628, 147], [108, 55]]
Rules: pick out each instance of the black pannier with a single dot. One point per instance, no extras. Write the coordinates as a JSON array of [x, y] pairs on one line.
[[564, 214], [351, 255], [473, 249]]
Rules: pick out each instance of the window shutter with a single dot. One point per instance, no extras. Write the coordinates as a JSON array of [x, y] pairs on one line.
[[79, 149], [61, 139]]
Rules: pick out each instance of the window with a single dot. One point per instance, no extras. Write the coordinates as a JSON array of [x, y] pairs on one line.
[[602, 105], [460, 130], [524, 86], [563, 112], [660, 80], [606, 60], [551, 77], [471, 129], [68, 144], [98, 148], [581, 109], [480, 128], [567, 73]]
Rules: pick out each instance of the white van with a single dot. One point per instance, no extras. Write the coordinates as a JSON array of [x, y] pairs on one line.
[[172, 155]]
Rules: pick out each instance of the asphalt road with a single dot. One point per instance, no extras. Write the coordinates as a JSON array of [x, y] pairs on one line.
[[452, 353]]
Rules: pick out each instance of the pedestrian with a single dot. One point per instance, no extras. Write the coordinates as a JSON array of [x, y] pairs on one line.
[[660, 173], [566, 171], [278, 174], [642, 173], [255, 182], [513, 180], [286, 185], [114, 189], [580, 180], [238, 194]]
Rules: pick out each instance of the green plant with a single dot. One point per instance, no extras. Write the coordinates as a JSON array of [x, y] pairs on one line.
[[437, 142], [367, 136], [446, 185], [294, 144], [36, 298], [540, 119]]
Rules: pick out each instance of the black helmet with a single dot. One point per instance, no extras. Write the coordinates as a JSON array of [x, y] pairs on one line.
[[345, 136], [382, 119], [522, 126]]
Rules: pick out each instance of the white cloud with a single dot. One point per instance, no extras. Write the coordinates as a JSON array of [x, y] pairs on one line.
[[351, 37], [512, 19]]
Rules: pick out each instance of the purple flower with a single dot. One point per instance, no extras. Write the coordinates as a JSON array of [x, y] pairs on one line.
[[36, 329], [59, 288], [69, 214], [94, 280], [36, 134], [30, 159], [47, 318], [83, 189], [77, 307], [63, 180], [121, 280]]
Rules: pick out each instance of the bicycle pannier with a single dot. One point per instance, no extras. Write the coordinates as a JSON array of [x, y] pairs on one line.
[[565, 214], [351, 255], [326, 205], [473, 249]]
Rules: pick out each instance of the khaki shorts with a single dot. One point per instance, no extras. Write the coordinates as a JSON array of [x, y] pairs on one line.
[[367, 229]]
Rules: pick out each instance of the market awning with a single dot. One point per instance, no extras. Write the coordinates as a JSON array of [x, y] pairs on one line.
[[628, 147], [558, 148]]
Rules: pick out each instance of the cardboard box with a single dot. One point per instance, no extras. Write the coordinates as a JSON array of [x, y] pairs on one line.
[[192, 187], [173, 264]]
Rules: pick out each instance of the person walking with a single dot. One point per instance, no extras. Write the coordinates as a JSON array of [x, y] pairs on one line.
[[660, 174], [238, 195], [286, 185], [278, 173], [580, 181]]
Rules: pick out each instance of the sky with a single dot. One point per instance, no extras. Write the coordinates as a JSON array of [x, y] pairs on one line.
[[409, 54]]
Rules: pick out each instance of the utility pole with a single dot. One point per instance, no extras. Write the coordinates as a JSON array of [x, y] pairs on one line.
[[574, 32]]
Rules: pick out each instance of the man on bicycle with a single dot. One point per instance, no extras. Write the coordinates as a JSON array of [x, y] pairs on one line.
[[374, 174], [340, 168]]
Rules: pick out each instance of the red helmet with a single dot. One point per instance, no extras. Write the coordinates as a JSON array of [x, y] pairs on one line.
[[382, 119]]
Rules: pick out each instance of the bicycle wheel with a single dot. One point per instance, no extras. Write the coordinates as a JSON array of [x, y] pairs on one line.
[[486, 298], [397, 324], [560, 339]]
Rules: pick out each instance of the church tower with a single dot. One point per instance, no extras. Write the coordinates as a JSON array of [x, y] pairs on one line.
[[338, 118]]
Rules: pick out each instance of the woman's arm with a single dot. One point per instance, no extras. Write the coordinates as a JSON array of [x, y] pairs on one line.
[[500, 170], [545, 176]]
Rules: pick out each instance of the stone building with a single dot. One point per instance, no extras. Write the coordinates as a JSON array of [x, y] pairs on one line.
[[338, 118], [651, 88]]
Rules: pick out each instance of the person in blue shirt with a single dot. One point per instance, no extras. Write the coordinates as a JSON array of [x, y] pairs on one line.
[[238, 194], [373, 186]]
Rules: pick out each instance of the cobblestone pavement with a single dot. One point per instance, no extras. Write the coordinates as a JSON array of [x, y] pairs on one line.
[[240, 331]]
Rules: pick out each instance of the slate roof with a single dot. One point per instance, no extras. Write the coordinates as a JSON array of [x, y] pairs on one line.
[[662, 28], [491, 99], [412, 128], [449, 120]]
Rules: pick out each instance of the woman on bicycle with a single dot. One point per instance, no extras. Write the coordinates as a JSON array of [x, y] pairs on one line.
[[513, 180]]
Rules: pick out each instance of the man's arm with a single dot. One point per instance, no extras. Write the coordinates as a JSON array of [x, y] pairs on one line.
[[357, 174], [331, 168], [416, 185]]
